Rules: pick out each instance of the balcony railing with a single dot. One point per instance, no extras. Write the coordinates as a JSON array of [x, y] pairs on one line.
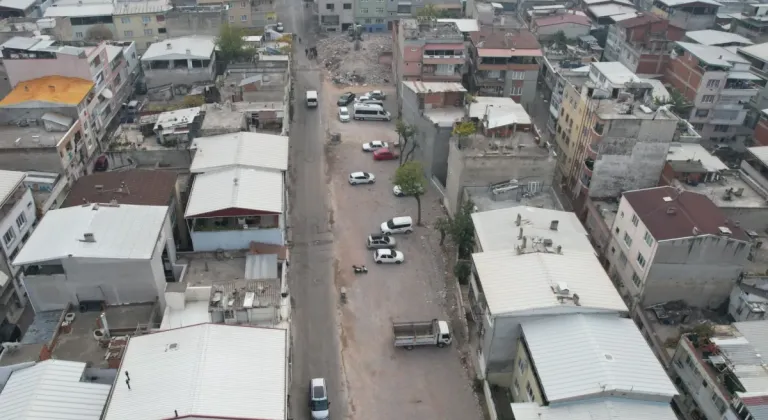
[[592, 151]]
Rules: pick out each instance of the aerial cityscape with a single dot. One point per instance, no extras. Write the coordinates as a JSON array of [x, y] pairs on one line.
[[384, 209]]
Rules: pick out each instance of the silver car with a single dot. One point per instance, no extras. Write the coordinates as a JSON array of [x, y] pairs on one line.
[[318, 399], [356, 178]]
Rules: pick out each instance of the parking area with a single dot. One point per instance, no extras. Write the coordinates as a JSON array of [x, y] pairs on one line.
[[385, 382]]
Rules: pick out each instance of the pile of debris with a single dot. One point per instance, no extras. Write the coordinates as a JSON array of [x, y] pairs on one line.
[[356, 67]]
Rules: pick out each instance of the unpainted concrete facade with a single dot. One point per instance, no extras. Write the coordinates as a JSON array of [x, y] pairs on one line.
[[189, 21]]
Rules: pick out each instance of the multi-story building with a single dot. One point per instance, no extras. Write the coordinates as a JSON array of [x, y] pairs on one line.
[[79, 21], [184, 60], [719, 85], [112, 66], [21, 9], [610, 137], [18, 218], [571, 23], [372, 15], [142, 23], [668, 244], [751, 22], [749, 299], [336, 15], [642, 43], [721, 372], [757, 55], [760, 136], [691, 15], [427, 51], [505, 63]]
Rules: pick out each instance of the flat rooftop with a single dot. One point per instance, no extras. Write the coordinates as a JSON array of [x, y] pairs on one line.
[[78, 343], [130, 137], [485, 199], [13, 136], [521, 143], [614, 109], [743, 193], [677, 316], [608, 210], [431, 30]]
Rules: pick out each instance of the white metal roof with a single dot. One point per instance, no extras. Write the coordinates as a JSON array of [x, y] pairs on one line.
[[207, 370], [497, 230], [52, 390], [199, 47], [605, 10], [9, 181], [695, 152], [179, 117], [615, 72], [759, 51], [713, 37], [122, 232], [659, 91], [711, 54], [580, 355], [596, 409], [673, 3], [434, 87], [250, 150], [103, 9], [500, 111], [464, 25], [241, 188], [525, 282], [16, 4], [760, 152]]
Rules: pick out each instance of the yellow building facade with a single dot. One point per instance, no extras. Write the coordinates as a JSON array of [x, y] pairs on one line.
[[570, 134], [142, 23], [525, 384]]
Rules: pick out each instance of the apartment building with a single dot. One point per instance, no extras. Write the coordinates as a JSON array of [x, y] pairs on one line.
[[18, 218], [142, 23], [78, 21], [505, 62], [719, 85], [427, 51], [751, 22], [749, 299], [336, 15], [184, 60], [760, 136], [721, 372], [691, 15], [757, 55], [667, 244], [610, 137], [642, 43]]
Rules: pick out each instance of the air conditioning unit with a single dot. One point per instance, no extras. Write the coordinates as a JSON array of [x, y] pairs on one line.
[[241, 220]]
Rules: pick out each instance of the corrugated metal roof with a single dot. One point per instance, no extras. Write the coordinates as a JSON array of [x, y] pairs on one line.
[[17, 4], [760, 152], [135, 8], [695, 152], [497, 230], [464, 25], [434, 87], [220, 371], [713, 37], [121, 232], [259, 266], [606, 10], [58, 119], [674, 3], [9, 181], [580, 355], [251, 150], [515, 282], [104, 9], [596, 409], [200, 47], [52, 390], [711, 54], [500, 112], [239, 188]]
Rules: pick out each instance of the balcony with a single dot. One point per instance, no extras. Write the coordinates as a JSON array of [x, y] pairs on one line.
[[443, 57], [592, 151], [589, 166]]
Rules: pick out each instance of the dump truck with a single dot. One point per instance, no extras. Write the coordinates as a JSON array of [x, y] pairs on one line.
[[424, 333]]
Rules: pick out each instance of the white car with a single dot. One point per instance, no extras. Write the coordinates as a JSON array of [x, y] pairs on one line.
[[356, 178], [375, 145], [388, 256], [343, 114], [279, 27], [398, 192]]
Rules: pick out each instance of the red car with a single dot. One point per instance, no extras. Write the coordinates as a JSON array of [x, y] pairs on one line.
[[384, 154]]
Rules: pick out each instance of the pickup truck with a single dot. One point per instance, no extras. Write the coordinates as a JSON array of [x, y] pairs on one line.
[[380, 242], [425, 333]]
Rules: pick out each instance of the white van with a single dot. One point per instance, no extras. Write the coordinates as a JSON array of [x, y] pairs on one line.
[[311, 99], [370, 112], [403, 224]]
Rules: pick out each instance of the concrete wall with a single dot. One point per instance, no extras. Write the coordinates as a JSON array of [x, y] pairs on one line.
[[231, 240], [189, 22], [571, 30], [528, 84], [750, 218], [738, 309], [170, 158], [64, 65], [28, 159], [133, 27], [189, 75]]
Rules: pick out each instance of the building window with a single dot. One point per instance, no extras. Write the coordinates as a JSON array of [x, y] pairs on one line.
[[329, 6], [698, 127], [128, 34], [617, 230], [379, 10], [721, 128], [231, 18], [78, 34], [522, 365], [9, 237], [242, 4], [147, 32], [146, 19], [635, 220], [648, 239], [379, 20], [713, 84], [160, 18], [708, 99], [347, 6], [21, 221], [627, 239], [641, 260], [366, 20], [516, 389], [161, 30], [622, 259], [243, 18], [701, 113], [636, 279], [516, 75], [444, 70], [529, 390], [125, 20], [363, 10], [516, 91]]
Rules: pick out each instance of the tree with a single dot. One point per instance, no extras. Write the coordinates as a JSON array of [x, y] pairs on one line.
[[442, 225], [431, 11], [560, 39], [463, 130], [462, 230], [193, 101], [410, 178], [462, 270], [677, 103], [405, 133], [230, 43]]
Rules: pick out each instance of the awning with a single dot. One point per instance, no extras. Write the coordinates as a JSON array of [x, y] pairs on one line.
[[743, 75]]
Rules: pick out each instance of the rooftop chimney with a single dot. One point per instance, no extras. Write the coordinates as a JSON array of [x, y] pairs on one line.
[[671, 210], [88, 237], [553, 225], [168, 46], [520, 235], [518, 220], [189, 52]]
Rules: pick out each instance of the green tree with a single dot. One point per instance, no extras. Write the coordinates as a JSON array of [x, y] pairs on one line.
[[560, 39], [405, 133], [410, 178], [461, 229], [230, 43], [463, 130], [462, 270], [431, 11], [443, 225], [678, 104]]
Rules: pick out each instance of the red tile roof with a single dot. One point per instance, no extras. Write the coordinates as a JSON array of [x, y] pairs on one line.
[[670, 214], [562, 18], [139, 187], [641, 19]]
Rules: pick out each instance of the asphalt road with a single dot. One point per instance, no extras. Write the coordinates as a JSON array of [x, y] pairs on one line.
[[315, 333]]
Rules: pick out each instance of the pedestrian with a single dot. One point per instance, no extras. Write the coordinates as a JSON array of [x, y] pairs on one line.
[[306, 52], [299, 40]]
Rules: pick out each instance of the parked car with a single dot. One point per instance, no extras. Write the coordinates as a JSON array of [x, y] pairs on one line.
[[388, 256], [343, 114], [380, 242], [279, 27], [356, 178], [377, 94], [398, 192], [346, 99], [318, 399], [402, 224], [375, 145], [101, 164], [385, 154]]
